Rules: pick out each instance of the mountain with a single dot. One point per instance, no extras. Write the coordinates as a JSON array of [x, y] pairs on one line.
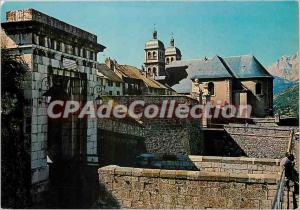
[[280, 84], [286, 67], [287, 102], [286, 85]]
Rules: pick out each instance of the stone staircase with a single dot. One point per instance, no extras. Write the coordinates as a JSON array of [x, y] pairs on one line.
[[265, 122]]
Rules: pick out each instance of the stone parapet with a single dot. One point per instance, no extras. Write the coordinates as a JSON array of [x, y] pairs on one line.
[[34, 15], [155, 188], [189, 175], [216, 164]]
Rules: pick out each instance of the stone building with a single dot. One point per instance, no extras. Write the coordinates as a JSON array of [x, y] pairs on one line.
[[237, 80], [62, 61]]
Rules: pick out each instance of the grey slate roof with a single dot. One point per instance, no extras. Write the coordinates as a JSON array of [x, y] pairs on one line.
[[246, 66], [180, 73]]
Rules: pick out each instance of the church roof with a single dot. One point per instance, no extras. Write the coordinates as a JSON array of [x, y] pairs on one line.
[[154, 44], [246, 66], [180, 73], [172, 51]]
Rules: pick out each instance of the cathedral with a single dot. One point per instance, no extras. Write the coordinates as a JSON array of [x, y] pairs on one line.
[[237, 80], [157, 57]]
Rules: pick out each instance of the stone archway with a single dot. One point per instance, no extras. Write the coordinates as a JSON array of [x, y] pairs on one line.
[[66, 143]]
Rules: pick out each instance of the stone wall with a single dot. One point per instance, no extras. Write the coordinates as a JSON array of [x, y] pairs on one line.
[[169, 136], [119, 141], [165, 135], [262, 104], [222, 91], [155, 188], [260, 142], [236, 165], [216, 164]]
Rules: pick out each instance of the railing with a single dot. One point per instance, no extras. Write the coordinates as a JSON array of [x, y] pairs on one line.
[[278, 199]]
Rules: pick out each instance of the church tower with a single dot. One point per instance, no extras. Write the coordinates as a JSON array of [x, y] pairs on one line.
[[155, 58], [172, 53]]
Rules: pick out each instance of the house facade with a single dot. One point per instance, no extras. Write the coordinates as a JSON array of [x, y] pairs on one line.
[[136, 81], [109, 82]]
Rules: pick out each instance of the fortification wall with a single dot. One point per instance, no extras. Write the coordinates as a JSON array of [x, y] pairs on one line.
[[218, 164], [162, 135], [260, 142], [34, 15], [155, 188], [237, 164]]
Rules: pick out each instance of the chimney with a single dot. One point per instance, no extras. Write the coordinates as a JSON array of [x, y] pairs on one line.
[[111, 63]]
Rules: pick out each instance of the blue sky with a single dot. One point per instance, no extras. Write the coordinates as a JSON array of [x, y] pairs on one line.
[[267, 30]]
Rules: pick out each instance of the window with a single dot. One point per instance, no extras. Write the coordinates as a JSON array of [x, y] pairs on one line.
[[118, 93], [154, 54], [168, 60], [74, 50], [211, 88], [51, 43], [69, 49], [110, 83], [154, 71], [172, 59], [84, 53], [118, 84], [58, 47], [258, 88], [110, 93], [42, 41], [149, 54], [91, 55], [149, 70]]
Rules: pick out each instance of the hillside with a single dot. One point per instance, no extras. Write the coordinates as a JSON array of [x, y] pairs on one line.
[[287, 102], [280, 84]]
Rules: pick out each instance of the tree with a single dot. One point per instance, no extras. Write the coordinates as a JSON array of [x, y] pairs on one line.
[[15, 161]]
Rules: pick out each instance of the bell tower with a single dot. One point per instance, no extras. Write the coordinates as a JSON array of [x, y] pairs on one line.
[[172, 53], [154, 58]]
